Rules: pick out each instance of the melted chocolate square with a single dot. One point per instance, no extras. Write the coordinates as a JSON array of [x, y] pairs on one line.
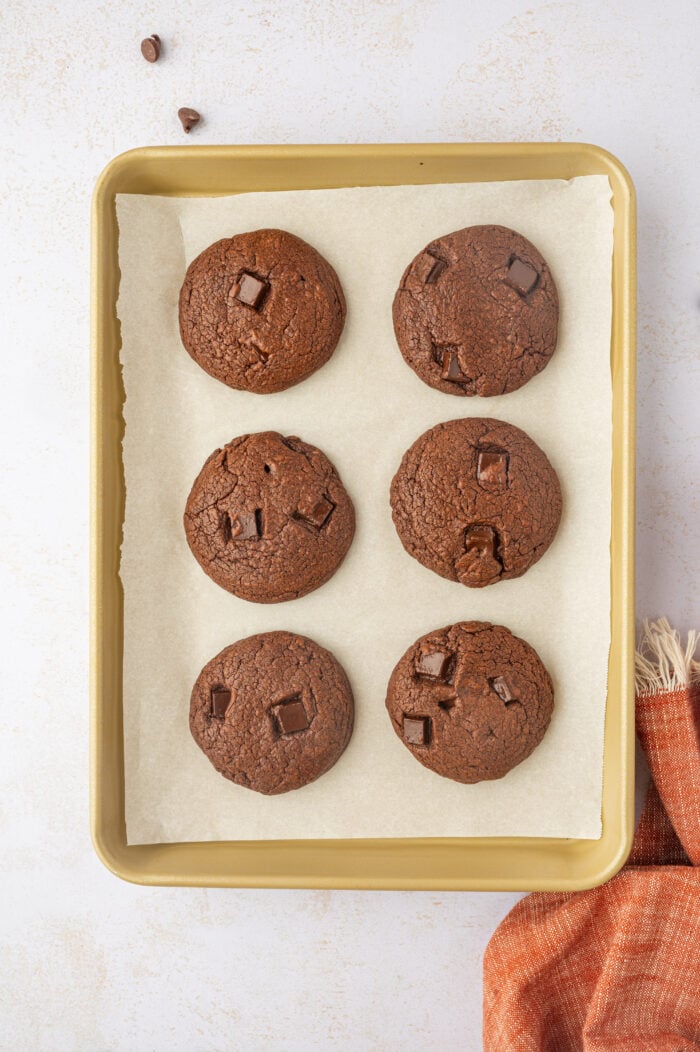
[[220, 700], [246, 524], [290, 715], [314, 512], [452, 370], [434, 664], [492, 469], [438, 268], [499, 684], [521, 276], [481, 540], [250, 290], [416, 729]]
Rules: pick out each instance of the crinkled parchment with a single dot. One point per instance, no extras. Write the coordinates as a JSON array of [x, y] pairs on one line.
[[364, 408]]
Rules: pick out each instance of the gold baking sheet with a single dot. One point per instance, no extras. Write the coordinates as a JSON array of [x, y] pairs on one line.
[[450, 862]]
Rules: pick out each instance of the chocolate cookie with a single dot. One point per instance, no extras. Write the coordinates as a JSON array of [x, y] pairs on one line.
[[476, 500], [268, 518], [470, 701], [272, 712], [476, 312], [261, 311]]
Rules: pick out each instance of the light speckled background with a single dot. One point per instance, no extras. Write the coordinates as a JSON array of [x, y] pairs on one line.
[[89, 963]]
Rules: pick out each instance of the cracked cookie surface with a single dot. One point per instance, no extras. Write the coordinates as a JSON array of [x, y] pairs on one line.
[[476, 500], [476, 312], [261, 311], [272, 712], [470, 701], [268, 518]]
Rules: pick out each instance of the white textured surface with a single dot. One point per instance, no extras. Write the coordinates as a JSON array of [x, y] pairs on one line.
[[91, 964]]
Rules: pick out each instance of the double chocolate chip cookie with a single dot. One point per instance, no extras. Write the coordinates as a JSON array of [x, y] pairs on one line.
[[476, 500], [476, 312], [470, 701], [272, 712], [261, 311], [268, 518]]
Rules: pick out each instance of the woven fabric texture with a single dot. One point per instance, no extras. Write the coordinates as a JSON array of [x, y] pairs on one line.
[[618, 967]]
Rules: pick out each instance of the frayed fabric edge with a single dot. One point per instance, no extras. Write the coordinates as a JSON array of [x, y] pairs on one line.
[[661, 662]]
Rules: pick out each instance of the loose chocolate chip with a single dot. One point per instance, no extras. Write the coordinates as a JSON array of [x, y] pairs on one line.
[[499, 684], [188, 118], [244, 525], [521, 277], [451, 369], [434, 664], [150, 48], [438, 268], [314, 512], [290, 715], [220, 701], [250, 290], [416, 730], [492, 469]]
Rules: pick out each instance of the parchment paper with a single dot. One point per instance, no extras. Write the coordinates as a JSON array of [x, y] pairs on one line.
[[364, 408]]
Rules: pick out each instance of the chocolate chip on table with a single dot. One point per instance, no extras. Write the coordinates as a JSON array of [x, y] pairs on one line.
[[150, 48], [188, 118], [220, 701]]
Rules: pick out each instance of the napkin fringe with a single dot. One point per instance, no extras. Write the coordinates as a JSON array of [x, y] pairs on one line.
[[661, 661]]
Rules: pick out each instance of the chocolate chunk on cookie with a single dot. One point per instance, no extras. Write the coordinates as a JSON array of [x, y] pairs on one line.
[[476, 500], [261, 311], [483, 718], [476, 312], [272, 712], [268, 518]]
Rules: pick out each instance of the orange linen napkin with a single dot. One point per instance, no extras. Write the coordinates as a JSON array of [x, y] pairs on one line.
[[618, 967]]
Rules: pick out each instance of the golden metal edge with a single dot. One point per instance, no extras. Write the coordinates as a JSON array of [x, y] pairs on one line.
[[115, 860]]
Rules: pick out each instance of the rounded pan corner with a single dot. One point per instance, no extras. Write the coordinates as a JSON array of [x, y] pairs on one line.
[[610, 163], [122, 162], [114, 857], [610, 868], [614, 856], [118, 170], [112, 172]]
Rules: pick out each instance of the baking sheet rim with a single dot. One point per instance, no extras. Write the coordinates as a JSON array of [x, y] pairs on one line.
[[130, 862]]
